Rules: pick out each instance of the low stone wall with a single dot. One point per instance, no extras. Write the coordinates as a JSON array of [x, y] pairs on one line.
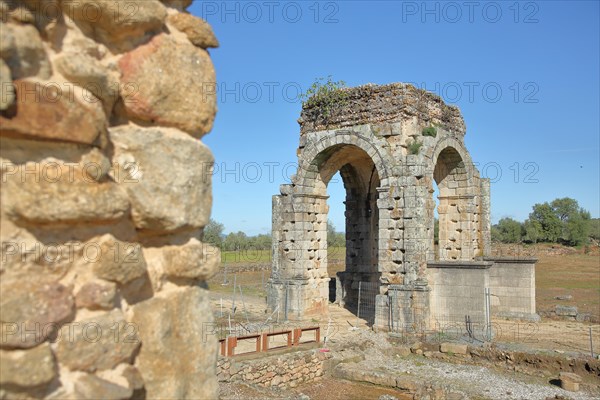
[[286, 370], [512, 284], [235, 268], [458, 287]]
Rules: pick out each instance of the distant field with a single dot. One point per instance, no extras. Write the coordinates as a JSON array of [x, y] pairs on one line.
[[264, 256], [575, 274]]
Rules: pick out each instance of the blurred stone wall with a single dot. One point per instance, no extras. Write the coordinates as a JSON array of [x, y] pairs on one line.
[[105, 190]]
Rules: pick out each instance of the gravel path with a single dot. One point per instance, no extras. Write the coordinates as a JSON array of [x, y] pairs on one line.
[[475, 381]]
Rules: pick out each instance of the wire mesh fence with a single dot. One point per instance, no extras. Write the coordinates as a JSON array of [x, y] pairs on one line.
[[240, 308]]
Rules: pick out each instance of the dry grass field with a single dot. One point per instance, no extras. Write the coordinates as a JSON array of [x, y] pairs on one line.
[[577, 275], [559, 271]]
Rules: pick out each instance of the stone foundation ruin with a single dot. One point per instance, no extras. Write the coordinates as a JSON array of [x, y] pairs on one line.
[[391, 144]]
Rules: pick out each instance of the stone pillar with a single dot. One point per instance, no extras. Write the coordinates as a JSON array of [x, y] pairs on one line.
[[106, 188], [486, 230], [408, 307], [299, 283]]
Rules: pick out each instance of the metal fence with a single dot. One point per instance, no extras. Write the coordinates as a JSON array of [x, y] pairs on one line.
[[239, 301]]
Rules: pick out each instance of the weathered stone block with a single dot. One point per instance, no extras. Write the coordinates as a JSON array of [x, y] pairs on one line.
[[98, 343], [566, 311], [173, 324], [191, 110], [27, 371], [90, 74], [197, 30], [32, 311], [455, 348], [23, 51], [7, 91], [569, 381], [118, 261], [44, 111], [113, 25], [152, 159], [96, 295], [193, 260], [89, 386]]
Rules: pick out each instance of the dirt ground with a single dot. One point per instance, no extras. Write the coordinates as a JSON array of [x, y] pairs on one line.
[[327, 388], [558, 272]]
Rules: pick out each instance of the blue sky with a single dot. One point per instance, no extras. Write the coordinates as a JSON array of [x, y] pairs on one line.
[[525, 76]]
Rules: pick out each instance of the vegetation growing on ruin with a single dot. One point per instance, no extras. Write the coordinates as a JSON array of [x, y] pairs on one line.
[[414, 147], [429, 131], [325, 96]]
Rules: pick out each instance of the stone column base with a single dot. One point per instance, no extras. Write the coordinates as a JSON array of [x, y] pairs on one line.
[[405, 308], [297, 299]]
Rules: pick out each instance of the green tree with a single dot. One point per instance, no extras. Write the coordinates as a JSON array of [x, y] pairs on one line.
[[594, 225], [550, 226], [574, 219], [508, 231], [561, 220], [235, 241], [213, 233], [334, 238], [533, 231]]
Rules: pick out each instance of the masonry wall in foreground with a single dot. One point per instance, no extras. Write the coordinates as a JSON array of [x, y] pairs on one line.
[[104, 197]]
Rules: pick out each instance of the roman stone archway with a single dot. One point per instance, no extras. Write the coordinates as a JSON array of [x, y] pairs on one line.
[[299, 278], [390, 144]]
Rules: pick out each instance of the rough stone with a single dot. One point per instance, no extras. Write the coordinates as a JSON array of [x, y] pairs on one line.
[[51, 197], [356, 374], [178, 4], [197, 30], [115, 26], [23, 51], [569, 381], [33, 311], [89, 386], [163, 158], [455, 348], [564, 297], [157, 67], [133, 377], [89, 73], [566, 311], [401, 351], [98, 343], [169, 325], [7, 91], [96, 295], [118, 261], [193, 260], [47, 111], [24, 370]]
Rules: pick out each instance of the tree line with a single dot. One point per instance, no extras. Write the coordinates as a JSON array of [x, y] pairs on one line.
[[236, 241], [559, 221]]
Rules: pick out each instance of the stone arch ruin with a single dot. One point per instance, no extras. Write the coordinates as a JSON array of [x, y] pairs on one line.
[[391, 144]]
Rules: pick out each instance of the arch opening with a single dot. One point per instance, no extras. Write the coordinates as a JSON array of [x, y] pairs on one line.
[[360, 179], [453, 199]]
